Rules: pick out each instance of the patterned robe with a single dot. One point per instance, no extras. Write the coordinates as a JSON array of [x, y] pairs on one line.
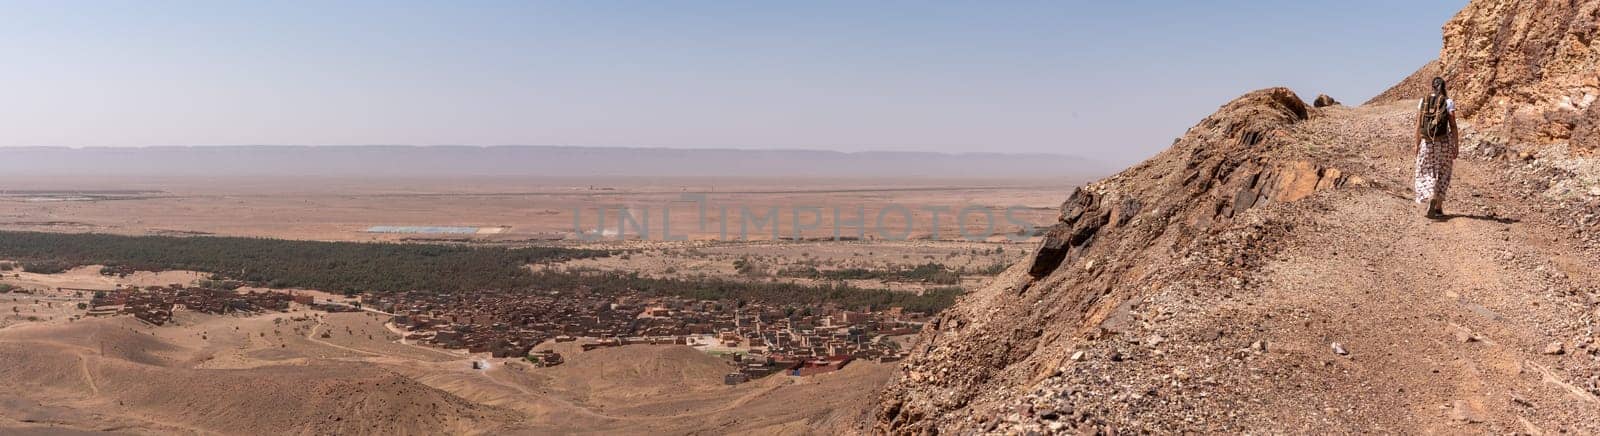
[[1435, 161]]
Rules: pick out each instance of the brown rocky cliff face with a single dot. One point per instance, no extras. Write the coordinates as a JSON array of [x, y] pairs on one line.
[[1114, 238], [1525, 70]]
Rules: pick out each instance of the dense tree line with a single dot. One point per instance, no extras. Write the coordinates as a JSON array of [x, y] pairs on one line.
[[46, 266], [926, 273], [331, 266], [778, 293], [352, 267]]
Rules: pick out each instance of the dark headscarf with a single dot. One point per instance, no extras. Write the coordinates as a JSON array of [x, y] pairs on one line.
[[1438, 87]]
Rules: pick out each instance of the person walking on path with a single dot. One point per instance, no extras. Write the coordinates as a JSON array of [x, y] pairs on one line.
[[1437, 142]]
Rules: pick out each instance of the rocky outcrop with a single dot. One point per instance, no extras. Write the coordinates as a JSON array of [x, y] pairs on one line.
[[1083, 215], [1116, 235], [1586, 132], [1323, 100], [1525, 70], [1244, 123]]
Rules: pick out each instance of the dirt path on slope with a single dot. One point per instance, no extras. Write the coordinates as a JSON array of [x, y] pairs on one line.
[[1445, 322]]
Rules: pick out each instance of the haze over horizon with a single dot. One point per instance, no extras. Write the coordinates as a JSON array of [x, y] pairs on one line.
[[1085, 79], [529, 161]]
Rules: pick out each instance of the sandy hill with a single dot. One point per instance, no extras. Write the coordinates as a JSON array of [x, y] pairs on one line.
[[1269, 274], [670, 389], [639, 371], [114, 338], [323, 399], [113, 374], [277, 373]]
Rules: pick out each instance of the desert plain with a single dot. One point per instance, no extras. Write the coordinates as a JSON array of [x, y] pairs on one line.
[[311, 371]]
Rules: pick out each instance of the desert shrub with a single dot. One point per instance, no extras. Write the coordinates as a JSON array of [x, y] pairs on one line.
[[47, 266], [222, 285], [745, 266], [850, 274], [799, 272], [931, 273]]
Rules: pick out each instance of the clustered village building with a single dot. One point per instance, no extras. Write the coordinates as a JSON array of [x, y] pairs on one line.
[[154, 304], [763, 339]]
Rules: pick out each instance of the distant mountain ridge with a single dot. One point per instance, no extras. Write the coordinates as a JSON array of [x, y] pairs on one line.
[[509, 161]]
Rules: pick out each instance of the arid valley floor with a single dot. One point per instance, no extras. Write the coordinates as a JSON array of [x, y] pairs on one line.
[[312, 371], [1269, 272]]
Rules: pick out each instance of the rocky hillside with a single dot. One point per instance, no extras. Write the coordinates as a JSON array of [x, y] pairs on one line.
[[1182, 217], [1413, 88], [1268, 273]]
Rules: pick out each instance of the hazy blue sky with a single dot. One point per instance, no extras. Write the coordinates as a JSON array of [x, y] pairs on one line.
[[1114, 80]]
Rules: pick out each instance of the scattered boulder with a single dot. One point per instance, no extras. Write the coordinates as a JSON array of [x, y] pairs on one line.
[[1323, 100], [1154, 340], [1339, 349], [1555, 348], [1520, 401], [1462, 412]]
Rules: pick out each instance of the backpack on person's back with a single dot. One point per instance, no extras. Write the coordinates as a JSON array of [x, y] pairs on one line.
[[1435, 117]]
